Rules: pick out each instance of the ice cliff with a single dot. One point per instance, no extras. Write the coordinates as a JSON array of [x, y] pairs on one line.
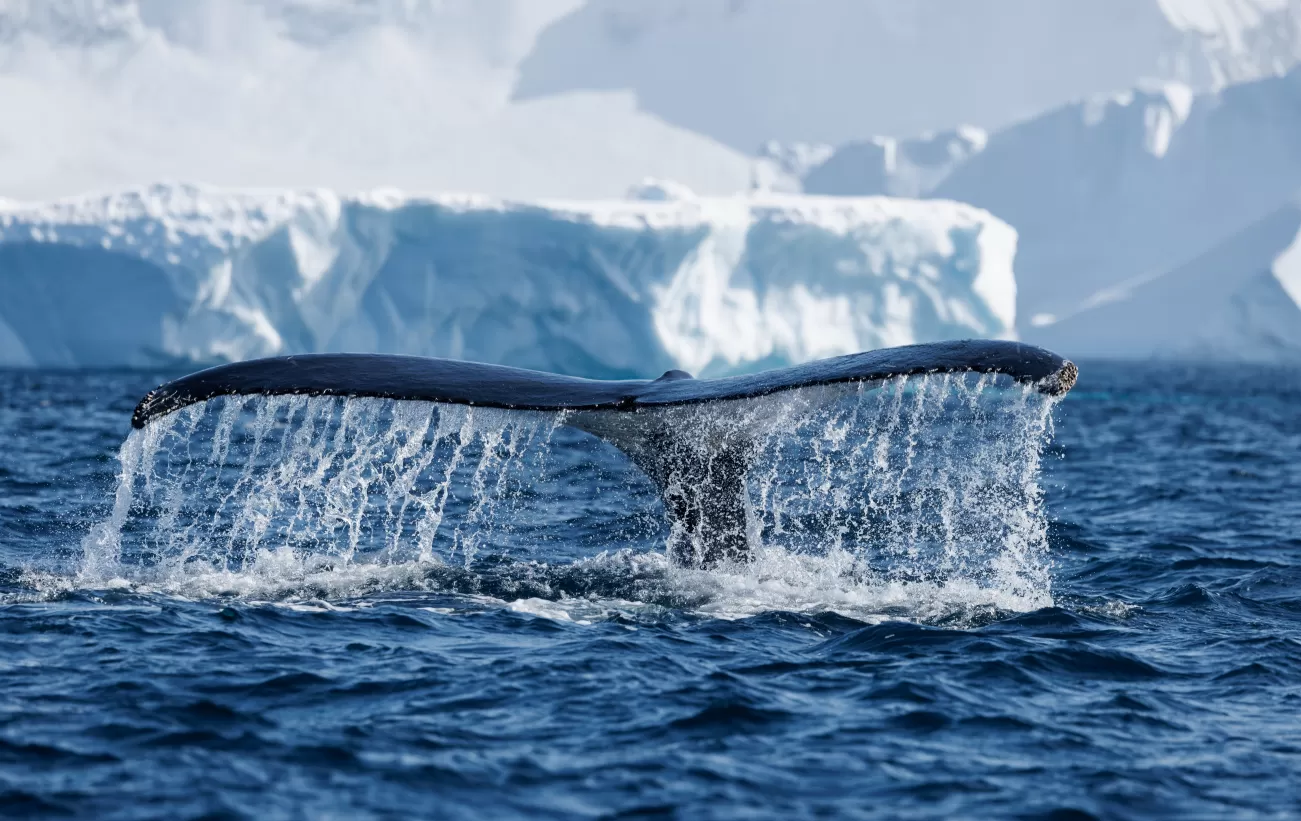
[[562, 98], [1148, 221], [346, 94], [613, 288], [833, 71], [909, 167], [1151, 185], [1239, 300]]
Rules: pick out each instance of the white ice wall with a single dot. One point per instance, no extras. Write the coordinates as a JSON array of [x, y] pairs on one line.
[[615, 288], [842, 70], [348, 94], [1117, 199]]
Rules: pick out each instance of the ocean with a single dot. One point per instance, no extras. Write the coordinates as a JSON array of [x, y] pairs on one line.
[[966, 600]]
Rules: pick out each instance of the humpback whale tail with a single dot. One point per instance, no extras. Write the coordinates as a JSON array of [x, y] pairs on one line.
[[700, 473]]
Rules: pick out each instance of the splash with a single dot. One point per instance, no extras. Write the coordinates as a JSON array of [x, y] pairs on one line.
[[912, 495], [339, 481]]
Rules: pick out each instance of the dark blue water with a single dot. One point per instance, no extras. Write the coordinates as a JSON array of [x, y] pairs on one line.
[[934, 628]]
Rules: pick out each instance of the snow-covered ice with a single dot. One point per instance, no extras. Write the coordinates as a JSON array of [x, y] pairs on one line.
[[836, 71], [1153, 184], [911, 167], [1148, 220], [348, 94], [1168, 203], [599, 288], [1237, 301]]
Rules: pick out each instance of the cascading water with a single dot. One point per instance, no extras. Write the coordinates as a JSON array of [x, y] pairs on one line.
[[903, 497]]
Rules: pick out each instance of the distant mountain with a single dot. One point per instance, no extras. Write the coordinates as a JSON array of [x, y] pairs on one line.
[[351, 94], [834, 71]]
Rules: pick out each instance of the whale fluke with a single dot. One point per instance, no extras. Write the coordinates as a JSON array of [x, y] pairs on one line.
[[704, 493], [498, 386]]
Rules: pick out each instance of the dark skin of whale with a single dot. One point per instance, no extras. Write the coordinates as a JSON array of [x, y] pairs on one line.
[[704, 495], [430, 379]]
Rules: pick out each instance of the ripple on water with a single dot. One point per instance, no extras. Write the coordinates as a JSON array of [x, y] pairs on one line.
[[1134, 651]]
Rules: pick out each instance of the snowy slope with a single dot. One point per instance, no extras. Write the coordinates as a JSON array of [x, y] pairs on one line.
[[834, 71], [349, 94], [1116, 191], [1127, 199], [1241, 300], [598, 288]]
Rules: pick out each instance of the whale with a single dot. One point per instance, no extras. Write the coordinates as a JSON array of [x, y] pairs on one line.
[[701, 479]]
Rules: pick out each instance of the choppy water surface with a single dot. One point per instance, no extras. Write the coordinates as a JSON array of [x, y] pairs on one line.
[[966, 602]]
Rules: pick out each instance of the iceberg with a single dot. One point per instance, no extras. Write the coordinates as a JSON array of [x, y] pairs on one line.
[[1142, 187], [834, 71], [100, 95], [617, 288], [1141, 216], [1238, 301], [911, 167]]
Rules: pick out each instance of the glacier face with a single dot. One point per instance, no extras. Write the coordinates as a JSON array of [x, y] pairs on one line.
[[1240, 300], [910, 167], [602, 289], [1136, 199], [1114, 192]]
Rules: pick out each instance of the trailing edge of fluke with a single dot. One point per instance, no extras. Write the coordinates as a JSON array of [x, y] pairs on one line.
[[472, 383], [704, 491]]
